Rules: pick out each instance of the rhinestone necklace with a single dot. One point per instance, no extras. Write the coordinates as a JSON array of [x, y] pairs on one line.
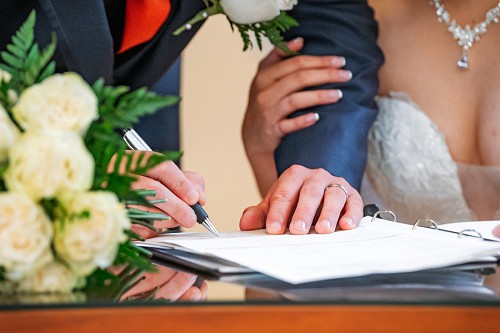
[[465, 36]]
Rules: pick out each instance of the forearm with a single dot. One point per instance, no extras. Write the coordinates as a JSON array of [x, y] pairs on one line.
[[264, 169]]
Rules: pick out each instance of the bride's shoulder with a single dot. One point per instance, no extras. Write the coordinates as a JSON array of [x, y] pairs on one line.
[[395, 11]]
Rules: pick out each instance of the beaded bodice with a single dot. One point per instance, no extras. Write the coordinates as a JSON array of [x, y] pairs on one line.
[[410, 170]]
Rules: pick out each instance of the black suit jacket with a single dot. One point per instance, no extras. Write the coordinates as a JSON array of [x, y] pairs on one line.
[[336, 143], [85, 44]]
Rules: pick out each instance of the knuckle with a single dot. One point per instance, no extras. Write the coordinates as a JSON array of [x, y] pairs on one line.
[[341, 181], [261, 99], [196, 177], [321, 173], [257, 81], [163, 168], [181, 183], [282, 196], [333, 72], [304, 213], [302, 77], [299, 121], [292, 102], [325, 61], [179, 213], [295, 170], [274, 132], [313, 192], [299, 62]]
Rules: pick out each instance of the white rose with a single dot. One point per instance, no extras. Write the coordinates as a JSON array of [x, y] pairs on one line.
[[8, 132], [250, 11], [5, 76], [25, 235], [54, 277], [286, 4], [61, 102], [44, 166], [86, 243]]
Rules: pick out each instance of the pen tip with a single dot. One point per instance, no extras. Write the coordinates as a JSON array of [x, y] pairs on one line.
[[210, 227]]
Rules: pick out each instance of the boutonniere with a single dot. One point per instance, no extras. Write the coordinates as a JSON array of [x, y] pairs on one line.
[[264, 18]]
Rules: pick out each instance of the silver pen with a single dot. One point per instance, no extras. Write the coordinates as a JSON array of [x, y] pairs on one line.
[[135, 142]]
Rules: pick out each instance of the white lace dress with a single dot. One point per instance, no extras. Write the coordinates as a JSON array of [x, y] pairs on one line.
[[410, 170]]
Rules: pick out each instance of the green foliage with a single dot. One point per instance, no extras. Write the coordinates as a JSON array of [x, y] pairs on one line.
[[271, 30], [3, 168], [50, 207], [116, 169], [102, 284], [25, 61], [120, 108], [4, 94]]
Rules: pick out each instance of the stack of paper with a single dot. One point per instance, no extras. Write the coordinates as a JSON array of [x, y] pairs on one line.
[[375, 247]]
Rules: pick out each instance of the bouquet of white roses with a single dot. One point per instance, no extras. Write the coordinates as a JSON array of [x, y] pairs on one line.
[[63, 216], [264, 18]]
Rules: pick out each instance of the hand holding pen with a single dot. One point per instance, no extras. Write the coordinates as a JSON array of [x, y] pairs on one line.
[[183, 191]]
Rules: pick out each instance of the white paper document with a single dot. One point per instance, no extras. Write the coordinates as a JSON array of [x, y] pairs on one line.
[[484, 228], [375, 247]]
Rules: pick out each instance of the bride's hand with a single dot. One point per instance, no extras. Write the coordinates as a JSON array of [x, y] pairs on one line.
[[276, 92]]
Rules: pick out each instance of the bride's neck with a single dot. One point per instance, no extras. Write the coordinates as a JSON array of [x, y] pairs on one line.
[[421, 59]]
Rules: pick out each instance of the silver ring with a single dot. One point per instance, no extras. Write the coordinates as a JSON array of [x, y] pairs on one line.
[[339, 186]]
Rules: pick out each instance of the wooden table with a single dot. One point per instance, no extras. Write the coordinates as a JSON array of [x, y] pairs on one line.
[[254, 319], [261, 311]]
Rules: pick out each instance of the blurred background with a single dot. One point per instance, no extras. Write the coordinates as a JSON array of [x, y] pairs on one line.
[[215, 79]]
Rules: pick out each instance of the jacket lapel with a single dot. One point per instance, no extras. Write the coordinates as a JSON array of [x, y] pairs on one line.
[[83, 36], [151, 62]]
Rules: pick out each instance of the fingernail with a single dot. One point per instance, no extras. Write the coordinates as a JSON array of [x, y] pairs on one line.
[[339, 61], [335, 95], [326, 224], [349, 222], [312, 117], [297, 40], [192, 197], [345, 74], [299, 225], [275, 227]]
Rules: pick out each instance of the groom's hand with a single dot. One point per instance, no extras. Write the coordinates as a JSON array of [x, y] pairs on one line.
[[179, 189], [301, 197], [176, 188]]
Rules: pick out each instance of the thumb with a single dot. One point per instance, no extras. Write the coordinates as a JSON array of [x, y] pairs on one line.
[[253, 218], [276, 54]]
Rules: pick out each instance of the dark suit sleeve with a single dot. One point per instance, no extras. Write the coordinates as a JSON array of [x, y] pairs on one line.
[[337, 142]]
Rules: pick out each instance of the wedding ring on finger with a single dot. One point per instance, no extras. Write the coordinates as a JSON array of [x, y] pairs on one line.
[[340, 187]]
